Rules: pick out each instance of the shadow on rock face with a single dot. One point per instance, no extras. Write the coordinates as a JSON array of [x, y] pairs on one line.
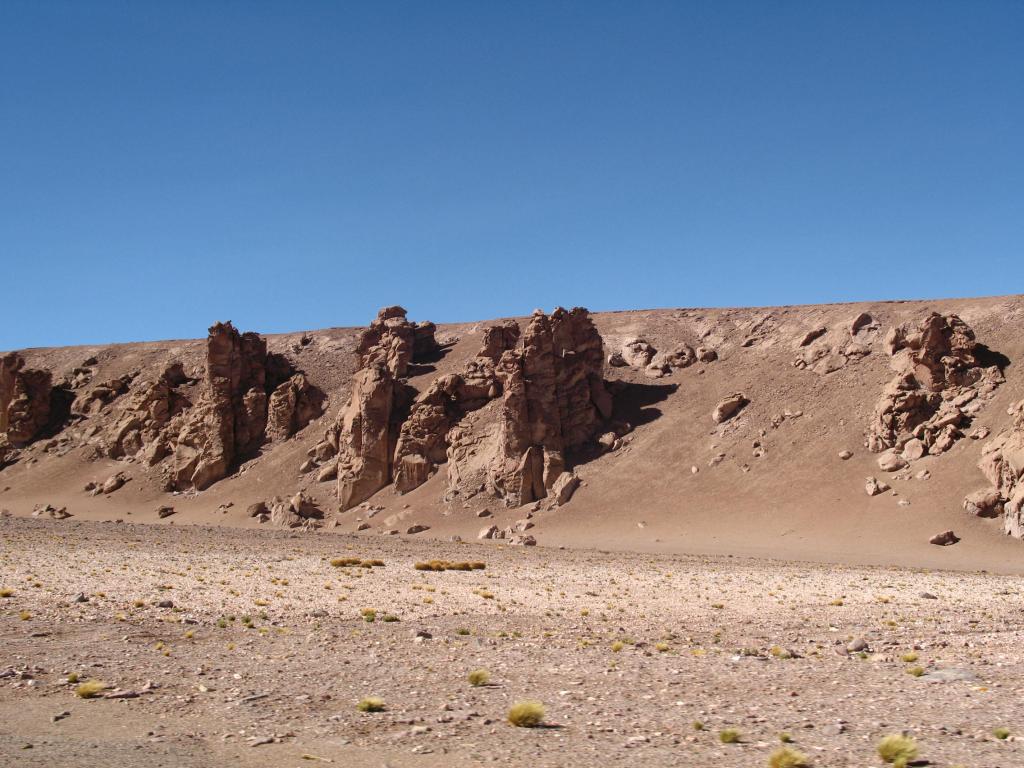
[[987, 357], [423, 359], [632, 402]]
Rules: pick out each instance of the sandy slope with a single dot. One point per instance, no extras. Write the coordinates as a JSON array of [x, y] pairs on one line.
[[798, 501]]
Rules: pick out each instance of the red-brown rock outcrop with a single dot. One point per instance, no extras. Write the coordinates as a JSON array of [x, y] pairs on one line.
[[1002, 462], [554, 399], [395, 341], [25, 395], [940, 385], [423, 440]]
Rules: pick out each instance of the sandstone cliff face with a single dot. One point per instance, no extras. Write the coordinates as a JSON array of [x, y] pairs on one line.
[[423, 440], [147, 412], [1002, 462], [367, 430], [244, 397], [364, 435], [940, 385], [24, 400], [554, 399], [292, 406], [230, 420]]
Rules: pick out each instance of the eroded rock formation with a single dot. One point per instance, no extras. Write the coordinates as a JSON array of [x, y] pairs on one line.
[[366, 433], [230, 420], [245, 396], [940, 384], [395, 341], [423, 440], [824, 353], [1002, 462], [146, 414], [292, 405], [554, 399], [25, 396]]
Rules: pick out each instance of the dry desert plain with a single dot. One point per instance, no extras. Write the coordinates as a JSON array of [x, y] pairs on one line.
[[236, 646]]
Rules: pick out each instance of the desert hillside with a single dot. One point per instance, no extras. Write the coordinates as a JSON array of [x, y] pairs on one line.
[[846, 433]]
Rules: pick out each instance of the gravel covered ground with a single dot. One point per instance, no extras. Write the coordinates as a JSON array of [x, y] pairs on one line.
[[230, 646]]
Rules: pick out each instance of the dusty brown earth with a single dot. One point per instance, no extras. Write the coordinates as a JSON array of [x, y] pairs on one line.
[[768, 483], [262, 653], [728, 569]]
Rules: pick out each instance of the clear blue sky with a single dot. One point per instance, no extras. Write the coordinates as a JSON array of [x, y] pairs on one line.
[[296, 165]]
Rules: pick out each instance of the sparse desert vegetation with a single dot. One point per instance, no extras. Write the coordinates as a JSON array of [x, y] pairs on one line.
[[898, 750], [526, 714], [219, 643], [370, 704]]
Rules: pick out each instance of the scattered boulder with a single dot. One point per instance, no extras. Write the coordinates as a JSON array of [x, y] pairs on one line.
[[328, 472], [297, 512], [984, 503], [890, 461], [706, 355], [165, 511], [873, 487], [564, 487], [413, 529], [729, 407], [523, 540], [914, 449], [114, 483], [259, 509], [637, 353], [944, 539], [490, 532]]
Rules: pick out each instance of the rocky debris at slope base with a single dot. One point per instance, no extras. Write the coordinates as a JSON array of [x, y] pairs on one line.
[[940, 385], [873, 486], [25, 401], [554, 399], [1002, 462]]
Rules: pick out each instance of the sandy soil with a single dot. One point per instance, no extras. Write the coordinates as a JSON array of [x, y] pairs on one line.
[[263, 653]]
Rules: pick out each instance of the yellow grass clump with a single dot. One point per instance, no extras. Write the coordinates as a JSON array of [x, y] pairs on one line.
[[526, 714]]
